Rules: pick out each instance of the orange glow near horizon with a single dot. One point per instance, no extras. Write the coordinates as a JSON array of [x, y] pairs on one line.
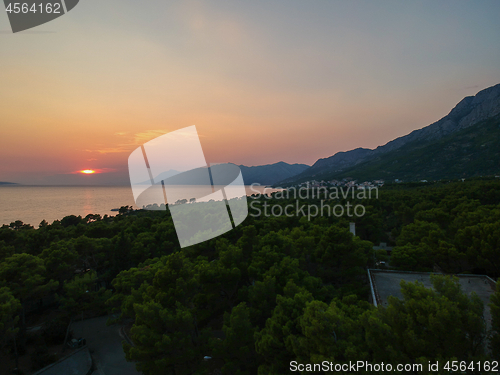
[[262, 83]]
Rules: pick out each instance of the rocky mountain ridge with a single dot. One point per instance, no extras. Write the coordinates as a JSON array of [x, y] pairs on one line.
[[469, 111], [271, 173]]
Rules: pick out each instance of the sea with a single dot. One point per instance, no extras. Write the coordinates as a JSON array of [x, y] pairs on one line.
[[33, 204]]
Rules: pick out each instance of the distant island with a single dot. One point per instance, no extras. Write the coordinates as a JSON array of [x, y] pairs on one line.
[[8, 183]]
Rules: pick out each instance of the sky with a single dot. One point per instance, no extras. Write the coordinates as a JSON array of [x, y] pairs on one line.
[[263, 81]]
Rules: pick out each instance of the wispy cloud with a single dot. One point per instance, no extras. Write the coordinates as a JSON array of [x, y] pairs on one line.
[[112, 150], [467, 88], [143, 137], [131, 141]]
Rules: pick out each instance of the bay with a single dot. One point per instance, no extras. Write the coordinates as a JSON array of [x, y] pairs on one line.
[[33, 204]]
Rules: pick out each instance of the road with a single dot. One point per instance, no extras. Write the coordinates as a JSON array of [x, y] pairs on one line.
[[105, 342]]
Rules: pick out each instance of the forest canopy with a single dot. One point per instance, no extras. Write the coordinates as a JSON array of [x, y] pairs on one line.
[[274, 289]]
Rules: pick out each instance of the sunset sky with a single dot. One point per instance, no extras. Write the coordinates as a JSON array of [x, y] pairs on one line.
[[263, 81]]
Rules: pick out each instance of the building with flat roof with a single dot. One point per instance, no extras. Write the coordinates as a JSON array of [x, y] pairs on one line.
[[385, 283]]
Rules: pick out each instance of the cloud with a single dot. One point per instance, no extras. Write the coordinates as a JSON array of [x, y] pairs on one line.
[[469, 87], [143, 137], [220, 25], [133, 141], [112, 150]]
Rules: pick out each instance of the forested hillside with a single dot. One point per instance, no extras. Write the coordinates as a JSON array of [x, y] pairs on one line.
[[471, 152], [271, 173], [272, 291], [463, 143]]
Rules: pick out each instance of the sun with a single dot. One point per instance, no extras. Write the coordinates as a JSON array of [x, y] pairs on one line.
[[87, 171]]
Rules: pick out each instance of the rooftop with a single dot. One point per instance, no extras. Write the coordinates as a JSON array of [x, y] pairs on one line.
[[385, 283]]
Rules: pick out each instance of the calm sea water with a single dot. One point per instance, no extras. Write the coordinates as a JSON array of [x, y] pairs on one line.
[[32, 204]]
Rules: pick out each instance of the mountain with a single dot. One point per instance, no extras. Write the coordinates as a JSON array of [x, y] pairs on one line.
[[460, 137], [470, 152], [271, 173], [262, 174], [161, 176]]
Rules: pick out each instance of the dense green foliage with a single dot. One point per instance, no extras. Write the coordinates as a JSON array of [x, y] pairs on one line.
[[9, 306], [427, 324], [495, 313], [274, 289]]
